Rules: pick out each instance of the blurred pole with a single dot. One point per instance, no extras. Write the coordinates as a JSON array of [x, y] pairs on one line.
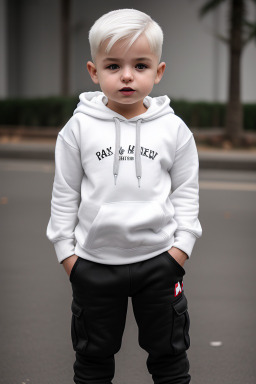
[[234, 117], [3, 49], [216, 54], [65, 46]]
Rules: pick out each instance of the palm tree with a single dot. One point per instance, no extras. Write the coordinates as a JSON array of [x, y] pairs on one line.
[[65, 13], [240, 31]]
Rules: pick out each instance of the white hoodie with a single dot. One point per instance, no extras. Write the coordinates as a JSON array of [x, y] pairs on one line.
[[125, 190]]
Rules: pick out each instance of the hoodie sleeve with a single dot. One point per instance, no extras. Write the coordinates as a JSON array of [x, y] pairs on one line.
[[66, 193], [185, 191]]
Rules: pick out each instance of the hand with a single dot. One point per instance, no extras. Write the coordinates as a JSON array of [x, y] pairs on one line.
[[69, 262], [178, 255]]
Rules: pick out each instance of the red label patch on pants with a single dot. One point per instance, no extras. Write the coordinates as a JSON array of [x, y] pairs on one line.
[[178, 289]]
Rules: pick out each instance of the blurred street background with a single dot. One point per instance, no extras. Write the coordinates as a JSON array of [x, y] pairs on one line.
[[210, 51]]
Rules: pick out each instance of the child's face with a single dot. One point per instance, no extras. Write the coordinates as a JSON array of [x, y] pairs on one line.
[[126, 77]]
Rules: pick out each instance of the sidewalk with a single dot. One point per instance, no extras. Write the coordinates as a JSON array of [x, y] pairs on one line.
[[209, 157]]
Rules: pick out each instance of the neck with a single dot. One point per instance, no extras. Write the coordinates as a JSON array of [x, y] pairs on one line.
[[128, 111]]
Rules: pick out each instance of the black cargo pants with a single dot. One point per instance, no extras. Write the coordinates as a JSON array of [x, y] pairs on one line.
[[99, 306]]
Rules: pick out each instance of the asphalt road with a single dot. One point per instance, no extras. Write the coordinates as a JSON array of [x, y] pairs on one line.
[[35, 293]]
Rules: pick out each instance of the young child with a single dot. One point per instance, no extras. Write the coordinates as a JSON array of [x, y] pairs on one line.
[[124, 211]]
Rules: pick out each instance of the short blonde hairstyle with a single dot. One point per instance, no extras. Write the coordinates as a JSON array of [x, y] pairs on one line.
[[125, 24]]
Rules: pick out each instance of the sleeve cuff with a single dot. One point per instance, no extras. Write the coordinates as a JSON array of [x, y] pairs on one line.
[[185, 241], [64, 248]]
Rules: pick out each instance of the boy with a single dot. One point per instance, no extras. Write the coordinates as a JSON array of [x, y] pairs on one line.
[[124, 214]]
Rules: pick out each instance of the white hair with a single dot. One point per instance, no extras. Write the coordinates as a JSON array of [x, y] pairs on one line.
[[125, 24]]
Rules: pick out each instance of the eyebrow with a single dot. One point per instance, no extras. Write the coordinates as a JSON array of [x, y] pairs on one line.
[[111, 59], [144, 59], [117, 59]]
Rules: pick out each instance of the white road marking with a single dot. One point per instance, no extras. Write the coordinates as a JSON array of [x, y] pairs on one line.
[[215, 343]]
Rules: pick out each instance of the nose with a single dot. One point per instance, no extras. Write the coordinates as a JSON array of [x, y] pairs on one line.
[[127, 75]]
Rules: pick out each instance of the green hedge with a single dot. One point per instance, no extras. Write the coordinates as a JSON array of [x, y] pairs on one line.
[[39, 112], [55, 111], [200, 114], [250, 117]]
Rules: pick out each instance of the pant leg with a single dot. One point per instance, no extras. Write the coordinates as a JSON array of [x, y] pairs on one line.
[[99, 307], [162, 318]]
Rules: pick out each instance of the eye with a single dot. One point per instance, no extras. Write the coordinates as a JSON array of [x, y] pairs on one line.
[[141, 66], [113, 67]]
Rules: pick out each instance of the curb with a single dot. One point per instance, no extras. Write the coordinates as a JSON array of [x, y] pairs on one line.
[[227, 160], [35, 151]]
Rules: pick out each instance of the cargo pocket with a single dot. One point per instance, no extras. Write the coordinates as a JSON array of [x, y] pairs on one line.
[[78, 331], [180, 341]]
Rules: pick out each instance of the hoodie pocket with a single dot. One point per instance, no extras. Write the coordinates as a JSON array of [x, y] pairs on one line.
[[127, 225]]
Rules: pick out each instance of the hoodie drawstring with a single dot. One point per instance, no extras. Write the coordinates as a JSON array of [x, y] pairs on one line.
[[117, 147], [137, 150]]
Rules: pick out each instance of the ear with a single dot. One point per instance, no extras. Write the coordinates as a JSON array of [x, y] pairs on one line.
[[93, 72], [160, 71]]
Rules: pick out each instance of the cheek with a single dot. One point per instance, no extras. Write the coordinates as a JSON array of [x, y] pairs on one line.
[[108, 82], [148, 82]]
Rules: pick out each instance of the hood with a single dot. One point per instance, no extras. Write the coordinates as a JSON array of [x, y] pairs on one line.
[[94, 104]]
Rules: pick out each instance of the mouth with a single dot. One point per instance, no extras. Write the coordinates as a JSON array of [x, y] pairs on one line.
[[127, 91]]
